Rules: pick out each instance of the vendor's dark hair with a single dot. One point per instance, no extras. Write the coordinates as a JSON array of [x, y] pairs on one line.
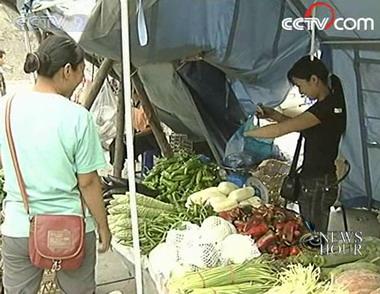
[[2, 53], [305, 68], [53, 53]]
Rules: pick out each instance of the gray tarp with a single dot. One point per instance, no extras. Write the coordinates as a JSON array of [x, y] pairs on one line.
[[245, 40]]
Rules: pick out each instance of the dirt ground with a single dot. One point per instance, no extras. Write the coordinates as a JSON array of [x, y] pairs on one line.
[[12, 42]]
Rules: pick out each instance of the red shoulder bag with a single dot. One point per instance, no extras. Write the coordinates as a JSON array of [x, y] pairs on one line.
[[55, 241]]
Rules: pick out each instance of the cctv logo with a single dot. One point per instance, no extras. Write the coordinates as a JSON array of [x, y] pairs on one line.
[[308, 22]]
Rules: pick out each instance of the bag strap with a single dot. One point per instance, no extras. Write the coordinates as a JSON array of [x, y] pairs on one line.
[[12, 149], [293, 167]]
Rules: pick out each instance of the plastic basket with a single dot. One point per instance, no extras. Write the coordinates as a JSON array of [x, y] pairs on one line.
[[48, 285], [271, 173]]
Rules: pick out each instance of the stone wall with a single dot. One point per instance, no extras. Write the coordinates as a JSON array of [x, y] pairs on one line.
[[12, 42]]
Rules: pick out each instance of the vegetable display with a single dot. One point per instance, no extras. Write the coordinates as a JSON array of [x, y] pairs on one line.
[[179, 176], [258, 273], [275, 229], [226, 196], [203, 236], [300, 279], [156, 218], [359, 281]]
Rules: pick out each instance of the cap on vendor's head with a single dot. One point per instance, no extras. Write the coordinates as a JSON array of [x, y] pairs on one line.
[[54, 53], [304, 68]]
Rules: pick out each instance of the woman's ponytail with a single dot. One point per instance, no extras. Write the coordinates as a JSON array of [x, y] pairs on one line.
[[54, 53], [32, 63], [336, 86]]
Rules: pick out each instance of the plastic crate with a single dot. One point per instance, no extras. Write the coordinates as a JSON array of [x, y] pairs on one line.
[[180, 142]]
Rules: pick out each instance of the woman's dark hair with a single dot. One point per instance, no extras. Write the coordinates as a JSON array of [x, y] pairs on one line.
[[305, 68], [2, 53], [53, 53]]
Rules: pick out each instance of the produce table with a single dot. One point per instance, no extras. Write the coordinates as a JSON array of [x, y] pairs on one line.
[[152, 283]]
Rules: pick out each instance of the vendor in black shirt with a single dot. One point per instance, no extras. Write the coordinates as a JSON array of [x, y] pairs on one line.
[[322, 126]]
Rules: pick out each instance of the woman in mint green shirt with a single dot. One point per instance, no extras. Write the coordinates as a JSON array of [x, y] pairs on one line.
[[59, 153]]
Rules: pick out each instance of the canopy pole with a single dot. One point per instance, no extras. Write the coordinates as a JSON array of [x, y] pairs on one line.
[[351, 42], [312, 43], [129, 133], [363, 130], [119, 144], [98, 82]]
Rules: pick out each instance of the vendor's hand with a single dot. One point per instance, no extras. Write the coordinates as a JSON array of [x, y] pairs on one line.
[[264, 111], [104, 239]]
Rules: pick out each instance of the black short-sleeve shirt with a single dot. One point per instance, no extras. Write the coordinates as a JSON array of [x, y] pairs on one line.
[[322, 141]]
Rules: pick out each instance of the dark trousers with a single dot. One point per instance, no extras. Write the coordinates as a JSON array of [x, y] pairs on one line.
[[316, 197], [20, 276]]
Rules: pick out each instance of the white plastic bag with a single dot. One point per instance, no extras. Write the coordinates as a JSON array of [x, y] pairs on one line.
[[104, 111], [237, 249], [215, 229], [163, 259]]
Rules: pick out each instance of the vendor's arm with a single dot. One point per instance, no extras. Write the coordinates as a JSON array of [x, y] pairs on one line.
[[279, 117], [91, 191], [88, 159], [301, 122], [268, 112]]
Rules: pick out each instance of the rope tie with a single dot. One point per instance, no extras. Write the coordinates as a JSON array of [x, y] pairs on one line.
[[203, 280], [232, 274]]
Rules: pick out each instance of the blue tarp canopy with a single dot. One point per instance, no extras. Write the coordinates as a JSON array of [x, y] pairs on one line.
[[245, 41]]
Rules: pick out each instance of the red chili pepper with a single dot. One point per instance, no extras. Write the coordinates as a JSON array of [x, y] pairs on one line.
[[297, 233], [294, 250], [256, 231], [226, 215], [241, 227], [266, 240], [284, 251], [279, 226], [288, 231], [279, 217], [273, 249]]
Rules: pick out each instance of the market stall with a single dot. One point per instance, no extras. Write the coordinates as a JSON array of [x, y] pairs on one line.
[[193, 200], [190, 232]]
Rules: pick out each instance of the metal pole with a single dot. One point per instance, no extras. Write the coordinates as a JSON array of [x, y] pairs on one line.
[[350, 42], [129, 134], [363, 130], [312, 43], [118, 162]]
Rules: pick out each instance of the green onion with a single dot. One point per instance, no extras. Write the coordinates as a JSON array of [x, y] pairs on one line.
[[246, 288], [255, 271]]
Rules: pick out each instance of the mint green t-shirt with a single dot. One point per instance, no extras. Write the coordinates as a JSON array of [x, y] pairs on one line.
[[55, 139]]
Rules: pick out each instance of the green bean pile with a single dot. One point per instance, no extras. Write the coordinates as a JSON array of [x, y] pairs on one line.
[[176, 178]]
